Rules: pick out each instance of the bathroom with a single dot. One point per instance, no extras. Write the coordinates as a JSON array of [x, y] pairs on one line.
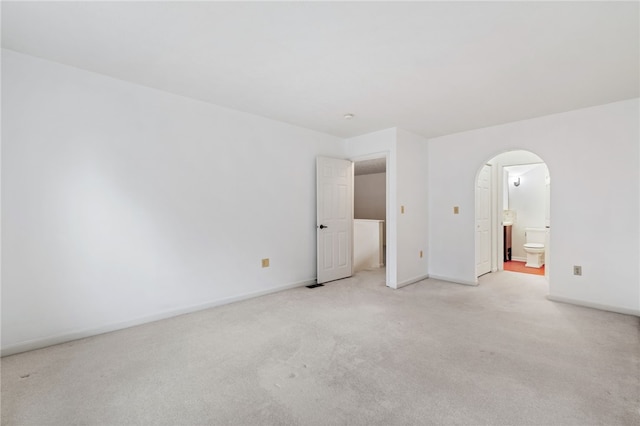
[[526, 200]]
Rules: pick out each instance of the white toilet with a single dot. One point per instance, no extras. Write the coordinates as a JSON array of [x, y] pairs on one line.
[[534, 246]]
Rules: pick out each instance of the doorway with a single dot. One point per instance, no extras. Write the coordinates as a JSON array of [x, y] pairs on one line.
[[520, 214], [526, 217], [370, 213], [336, 197]]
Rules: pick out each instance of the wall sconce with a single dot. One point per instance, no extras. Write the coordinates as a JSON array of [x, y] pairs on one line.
[[516, 182]]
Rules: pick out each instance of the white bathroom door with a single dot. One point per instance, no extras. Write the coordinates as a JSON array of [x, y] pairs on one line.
[[483, 222], [334, 227], [547, 222]]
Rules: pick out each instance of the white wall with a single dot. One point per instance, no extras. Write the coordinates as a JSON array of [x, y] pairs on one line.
[[412, 194], [528, 201], [370, 198], [406, 186], [123, 204], [368, 252], [593, 157]]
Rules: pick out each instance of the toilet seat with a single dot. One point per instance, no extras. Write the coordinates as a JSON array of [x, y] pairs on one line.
[[534, 246]]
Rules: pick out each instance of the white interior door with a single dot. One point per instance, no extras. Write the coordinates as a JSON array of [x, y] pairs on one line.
[[483, 222], [334, 225], [547, 222]]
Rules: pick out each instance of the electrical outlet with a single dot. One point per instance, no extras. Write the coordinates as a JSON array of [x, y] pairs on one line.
[[402, 209], [420, 254], [265, 263], [577, 270], [456, 210]]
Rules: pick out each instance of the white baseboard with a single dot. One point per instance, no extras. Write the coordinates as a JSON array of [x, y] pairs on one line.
[[412, 281], [453, 280], [599, 306], [519, 259], [81, 334]]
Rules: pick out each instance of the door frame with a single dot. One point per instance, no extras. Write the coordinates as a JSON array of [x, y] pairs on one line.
[[497, 193], [374, 156]]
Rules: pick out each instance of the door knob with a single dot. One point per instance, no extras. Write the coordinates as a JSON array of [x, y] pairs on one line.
[[323, 226]]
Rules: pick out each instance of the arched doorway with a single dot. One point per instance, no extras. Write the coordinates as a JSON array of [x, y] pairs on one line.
[[512, 208]]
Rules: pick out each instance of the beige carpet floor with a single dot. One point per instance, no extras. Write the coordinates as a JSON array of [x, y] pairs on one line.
[[351, 352]]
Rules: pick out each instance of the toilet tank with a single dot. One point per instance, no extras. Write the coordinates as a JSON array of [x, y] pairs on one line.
[[535, 235]]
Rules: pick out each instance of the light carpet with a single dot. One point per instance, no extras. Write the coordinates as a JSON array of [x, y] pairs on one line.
[[351, 352]]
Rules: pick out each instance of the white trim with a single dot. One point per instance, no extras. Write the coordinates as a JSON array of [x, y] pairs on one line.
[[412, 281], [372, 156], [616, 309], [519, 259], [30, 345], [453, 280]]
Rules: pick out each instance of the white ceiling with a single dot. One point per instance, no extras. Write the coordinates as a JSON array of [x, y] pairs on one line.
[[369, 167], [433, 68]]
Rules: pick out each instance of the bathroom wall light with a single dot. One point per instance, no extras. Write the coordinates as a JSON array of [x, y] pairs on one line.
[[516, 182]]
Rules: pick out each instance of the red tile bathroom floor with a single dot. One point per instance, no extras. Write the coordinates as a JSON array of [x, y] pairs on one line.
[[516, 266]]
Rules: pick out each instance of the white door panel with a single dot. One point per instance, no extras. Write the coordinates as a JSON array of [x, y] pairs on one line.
[[483, 222], [334, 218]]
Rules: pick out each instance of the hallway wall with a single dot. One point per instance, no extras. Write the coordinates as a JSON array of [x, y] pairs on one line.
[[370, 196]]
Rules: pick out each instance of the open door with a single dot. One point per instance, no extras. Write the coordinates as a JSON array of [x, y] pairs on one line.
[[483, 221], [334, 192]]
